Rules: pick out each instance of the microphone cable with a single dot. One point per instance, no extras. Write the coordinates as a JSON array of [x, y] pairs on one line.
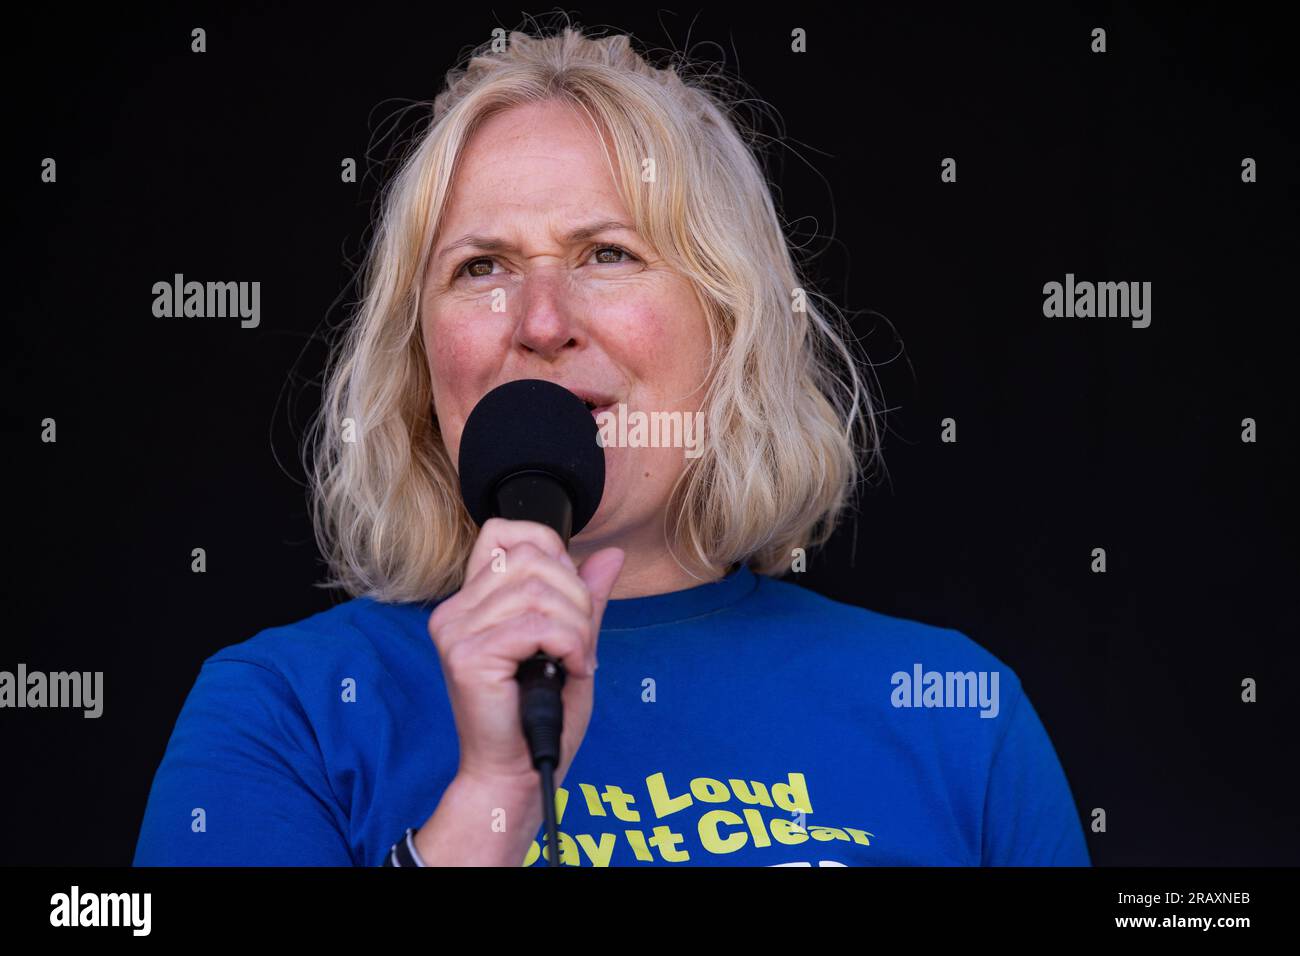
[[541, 711]]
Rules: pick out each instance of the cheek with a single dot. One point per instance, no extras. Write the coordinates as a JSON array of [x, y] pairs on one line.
[[666, 352], [460, 364], [450, 346], [460, 355], [644, 339]]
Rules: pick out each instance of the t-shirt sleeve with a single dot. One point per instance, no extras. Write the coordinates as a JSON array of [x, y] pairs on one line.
[[1030, 818], [242, 782]]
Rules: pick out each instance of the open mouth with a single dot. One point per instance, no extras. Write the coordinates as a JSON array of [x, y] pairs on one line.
[[592, 405]]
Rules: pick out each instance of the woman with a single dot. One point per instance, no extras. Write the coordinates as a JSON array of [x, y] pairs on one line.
[[575, 215]]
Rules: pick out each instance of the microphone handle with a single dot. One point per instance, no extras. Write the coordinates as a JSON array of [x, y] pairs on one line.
[[539, 496], [541, 708]]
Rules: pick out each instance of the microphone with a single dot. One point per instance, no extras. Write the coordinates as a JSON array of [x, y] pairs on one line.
[[529, 452]]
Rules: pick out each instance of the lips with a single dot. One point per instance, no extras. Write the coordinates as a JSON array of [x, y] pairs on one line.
[[596, 402], [594, 398]]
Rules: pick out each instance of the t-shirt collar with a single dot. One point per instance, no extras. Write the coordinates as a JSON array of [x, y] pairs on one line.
[[697, 601]]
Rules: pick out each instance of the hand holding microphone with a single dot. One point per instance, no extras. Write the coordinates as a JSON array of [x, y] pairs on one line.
[[539, 602], [522, 631]]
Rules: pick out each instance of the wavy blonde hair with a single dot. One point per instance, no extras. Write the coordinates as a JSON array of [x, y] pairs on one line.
[[787, 411]]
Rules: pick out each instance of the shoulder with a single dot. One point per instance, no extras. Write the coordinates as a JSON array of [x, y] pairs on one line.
[[862, 632], [358, 634]]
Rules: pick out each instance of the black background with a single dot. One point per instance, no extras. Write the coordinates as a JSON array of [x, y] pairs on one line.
[[1073, 433]]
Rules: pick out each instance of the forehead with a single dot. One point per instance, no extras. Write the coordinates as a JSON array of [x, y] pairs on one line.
[[541, 155]]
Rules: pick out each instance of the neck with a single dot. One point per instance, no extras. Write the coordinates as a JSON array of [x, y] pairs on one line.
[[646, 571]]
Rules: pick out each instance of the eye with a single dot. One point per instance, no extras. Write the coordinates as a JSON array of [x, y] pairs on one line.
[[467, 267], [616, 249], [468, 264]]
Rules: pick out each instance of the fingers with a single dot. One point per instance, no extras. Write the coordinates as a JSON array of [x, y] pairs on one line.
[[520, 637], [522, 562], [536, 599], [506, 534], [537, 595], [599, 572]]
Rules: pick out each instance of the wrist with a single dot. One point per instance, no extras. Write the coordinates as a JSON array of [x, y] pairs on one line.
[[404, 853], [481, 821], [509, 791]]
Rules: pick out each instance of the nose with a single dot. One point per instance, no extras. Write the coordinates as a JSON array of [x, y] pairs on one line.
[[548, 323]]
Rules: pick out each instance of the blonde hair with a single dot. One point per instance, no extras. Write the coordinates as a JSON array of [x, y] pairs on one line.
[[788, 416]]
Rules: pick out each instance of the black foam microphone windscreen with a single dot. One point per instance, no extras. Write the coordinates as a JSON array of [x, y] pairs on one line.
[[531, 426]]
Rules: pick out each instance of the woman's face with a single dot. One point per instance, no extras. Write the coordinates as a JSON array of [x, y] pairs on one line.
[[599, 313]]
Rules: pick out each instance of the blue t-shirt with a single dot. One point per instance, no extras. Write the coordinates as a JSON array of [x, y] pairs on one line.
[[747, 722]]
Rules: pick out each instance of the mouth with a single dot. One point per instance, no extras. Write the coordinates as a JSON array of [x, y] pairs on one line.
[[596, 404]]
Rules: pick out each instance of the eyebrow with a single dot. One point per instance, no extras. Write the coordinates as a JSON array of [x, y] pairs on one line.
[[495, 244]]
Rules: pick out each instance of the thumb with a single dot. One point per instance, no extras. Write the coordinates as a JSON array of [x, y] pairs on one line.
[[599, 572]]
